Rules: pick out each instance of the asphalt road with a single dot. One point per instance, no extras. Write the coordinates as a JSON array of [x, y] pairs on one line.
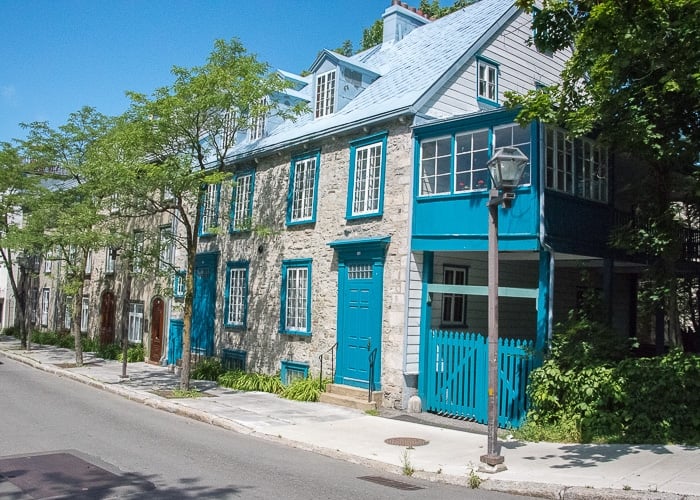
[[60, 438]]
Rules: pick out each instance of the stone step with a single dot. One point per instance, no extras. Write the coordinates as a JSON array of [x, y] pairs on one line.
[[347, 401], [355, 392]]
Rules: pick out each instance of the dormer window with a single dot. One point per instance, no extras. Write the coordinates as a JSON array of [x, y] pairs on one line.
[[487, 81], [325, 94], [257, 123]]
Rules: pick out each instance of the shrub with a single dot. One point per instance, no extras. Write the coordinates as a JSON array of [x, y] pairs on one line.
[[134, 354], [11, 331], [304, 389], [207, 369], [251, 382], [600, 399], [109, 351]]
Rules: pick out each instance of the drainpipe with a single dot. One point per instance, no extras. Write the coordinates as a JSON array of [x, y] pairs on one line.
[[543, 243]]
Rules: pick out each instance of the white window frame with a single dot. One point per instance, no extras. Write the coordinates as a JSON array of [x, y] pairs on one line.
[[325, 93], [68, 313], [303, 189], [135, 332], [432, 166], [48, 262], [471, 174], [296, 290], [88, 264], [257, 123], [487, 80], [241, 203], [166, 247], [578, 166], [110, 260], [454, 304], [367, 182], [84, 314], [45, 297], [513, 135], [210, 209], [137, 257], [236, 295]]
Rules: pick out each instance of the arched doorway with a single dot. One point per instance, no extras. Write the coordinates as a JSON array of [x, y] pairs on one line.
[[107, 318], [157, 310]]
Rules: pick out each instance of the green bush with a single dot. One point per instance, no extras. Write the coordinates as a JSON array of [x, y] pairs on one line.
[[251, 382], [304, 389], [207, 369], [134, 354], [109, 351], [587, 391], [11, 331]]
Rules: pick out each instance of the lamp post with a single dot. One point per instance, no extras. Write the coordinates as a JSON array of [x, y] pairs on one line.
[[506, 167]]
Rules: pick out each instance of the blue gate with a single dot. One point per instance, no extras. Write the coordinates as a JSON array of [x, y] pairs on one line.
[[459, 385]]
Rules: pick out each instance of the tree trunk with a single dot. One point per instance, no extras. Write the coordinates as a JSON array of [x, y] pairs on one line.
[[75, 327], [187, 321]]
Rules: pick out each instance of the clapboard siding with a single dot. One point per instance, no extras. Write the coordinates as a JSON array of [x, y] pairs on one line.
[[521, 66]]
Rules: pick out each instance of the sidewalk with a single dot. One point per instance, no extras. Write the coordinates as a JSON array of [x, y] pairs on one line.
[[547, 470]]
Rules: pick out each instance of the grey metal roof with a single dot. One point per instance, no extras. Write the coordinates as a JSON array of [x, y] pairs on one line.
[[410, 70]]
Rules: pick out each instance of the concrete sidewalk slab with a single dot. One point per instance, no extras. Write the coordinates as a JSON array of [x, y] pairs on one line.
[[549, 470]]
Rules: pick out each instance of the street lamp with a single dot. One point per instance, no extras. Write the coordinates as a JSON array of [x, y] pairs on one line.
[[506, 167]]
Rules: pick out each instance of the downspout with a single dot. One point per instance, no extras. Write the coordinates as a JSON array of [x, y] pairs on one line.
[[407, 284], [542, 229]]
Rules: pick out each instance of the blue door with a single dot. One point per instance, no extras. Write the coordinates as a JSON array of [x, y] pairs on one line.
[[360, 305], [204, 303], [359, 324]]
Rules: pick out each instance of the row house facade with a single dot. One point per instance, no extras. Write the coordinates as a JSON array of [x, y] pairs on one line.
[[374, 221]]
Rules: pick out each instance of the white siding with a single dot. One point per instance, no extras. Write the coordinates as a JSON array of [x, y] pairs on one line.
[[415, 301], [520, 67]]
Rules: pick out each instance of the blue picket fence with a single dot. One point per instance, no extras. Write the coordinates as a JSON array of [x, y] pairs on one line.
[[459, 386]]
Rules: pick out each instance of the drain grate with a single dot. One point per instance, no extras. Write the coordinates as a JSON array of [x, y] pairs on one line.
[[391, 483], [408, 442]]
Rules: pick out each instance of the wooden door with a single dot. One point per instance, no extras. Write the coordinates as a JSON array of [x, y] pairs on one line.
[[107, 319], [157, 310]]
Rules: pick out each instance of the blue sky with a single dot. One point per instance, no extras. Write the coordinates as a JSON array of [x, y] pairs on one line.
[[57, 56]]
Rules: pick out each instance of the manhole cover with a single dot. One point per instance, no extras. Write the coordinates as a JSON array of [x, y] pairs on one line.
[[408, 442]]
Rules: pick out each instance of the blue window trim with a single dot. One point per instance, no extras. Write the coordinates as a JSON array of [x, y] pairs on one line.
[[249, 211], [288, 365], [290, 194], [286, 264], [490, 62], [201, 231], [489, 120], [179, 276], [380, 137], [239, 264]]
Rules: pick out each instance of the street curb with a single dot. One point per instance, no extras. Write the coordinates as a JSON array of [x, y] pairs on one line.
[[540, 490]]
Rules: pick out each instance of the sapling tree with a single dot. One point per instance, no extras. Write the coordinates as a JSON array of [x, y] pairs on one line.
[[19, 189], [72, 214], [176, 143]]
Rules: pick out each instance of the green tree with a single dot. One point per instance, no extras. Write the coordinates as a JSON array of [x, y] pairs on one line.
[[19, 186], [345, 49], [373, 35], [71, 215], [175, 143], [633, 80]]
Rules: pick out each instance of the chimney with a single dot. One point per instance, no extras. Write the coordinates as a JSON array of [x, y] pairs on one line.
[[400, 20]]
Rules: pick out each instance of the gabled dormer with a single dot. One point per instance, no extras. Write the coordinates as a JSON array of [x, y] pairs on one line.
[[337, 80], [296, 93]]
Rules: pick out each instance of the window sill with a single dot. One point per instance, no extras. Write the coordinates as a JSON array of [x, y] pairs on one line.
[[374, 215], [295, 333]]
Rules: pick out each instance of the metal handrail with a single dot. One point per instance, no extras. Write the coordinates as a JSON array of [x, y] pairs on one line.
[[332, 350], [370, 384]]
